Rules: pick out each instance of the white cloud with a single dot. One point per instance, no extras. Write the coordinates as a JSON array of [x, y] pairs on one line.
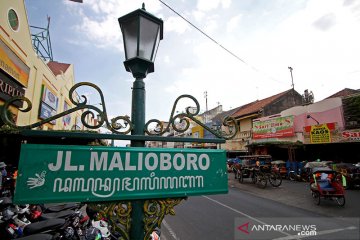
[[208, 5], [176, 24], [233, 23], [273, 35], [103, 34], [198, 15]]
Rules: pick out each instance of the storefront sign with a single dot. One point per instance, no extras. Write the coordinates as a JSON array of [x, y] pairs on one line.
[[274, 128], [9, 89], [58, 173], [322, 133], [12, 65], [350, 136]]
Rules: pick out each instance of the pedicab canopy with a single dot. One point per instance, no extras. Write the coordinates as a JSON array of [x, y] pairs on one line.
[[277, 162], [317, 164], [62, 173]]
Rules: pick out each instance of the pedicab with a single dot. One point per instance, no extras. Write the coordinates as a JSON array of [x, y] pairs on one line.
[[280, 167], [264, 167], [258, 169], [248, 169], [327, 184]]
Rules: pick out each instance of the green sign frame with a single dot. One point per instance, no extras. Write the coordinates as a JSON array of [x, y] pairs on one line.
[[63, 173]]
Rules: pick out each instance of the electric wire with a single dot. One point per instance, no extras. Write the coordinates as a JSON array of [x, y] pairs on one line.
[[217, 43]]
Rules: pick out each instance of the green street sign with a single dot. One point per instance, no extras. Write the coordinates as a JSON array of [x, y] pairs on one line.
[[61, 173]]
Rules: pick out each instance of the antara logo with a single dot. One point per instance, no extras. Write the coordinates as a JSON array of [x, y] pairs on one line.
[[244, 228]]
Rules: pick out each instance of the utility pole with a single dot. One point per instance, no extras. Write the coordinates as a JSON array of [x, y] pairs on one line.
[[292, 79], [206, 105], [205, 96]]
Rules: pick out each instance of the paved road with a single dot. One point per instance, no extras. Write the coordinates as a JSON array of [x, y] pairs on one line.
[[218, 216], [298, 194]]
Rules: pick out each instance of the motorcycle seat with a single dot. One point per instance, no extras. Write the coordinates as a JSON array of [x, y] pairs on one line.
[[62, 214], [37, 237], [43, 226], [60, 207]]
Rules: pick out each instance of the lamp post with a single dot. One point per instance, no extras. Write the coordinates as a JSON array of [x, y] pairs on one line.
[[142, 33]]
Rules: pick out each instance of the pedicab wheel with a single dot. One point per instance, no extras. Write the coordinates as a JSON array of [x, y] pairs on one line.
[[340, 201], [261, 180], [241, 177], [316, 197], [292, 176], [275, 179]]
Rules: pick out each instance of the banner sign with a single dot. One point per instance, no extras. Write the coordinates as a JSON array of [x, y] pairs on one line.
[[46, 112], [13, 65], [67, 118], [49, 98], [60, 173], [274, 128], [322, 133]]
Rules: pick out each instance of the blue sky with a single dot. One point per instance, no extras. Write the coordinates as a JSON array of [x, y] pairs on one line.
[[318, 39]]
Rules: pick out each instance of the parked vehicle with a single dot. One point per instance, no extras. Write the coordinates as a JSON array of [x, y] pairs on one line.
[[279, 166], [309, 166], [325, 184], [351, 172], [258, 169], [233, 164]]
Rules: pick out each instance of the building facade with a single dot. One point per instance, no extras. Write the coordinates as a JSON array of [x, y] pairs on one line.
[[24, 73]]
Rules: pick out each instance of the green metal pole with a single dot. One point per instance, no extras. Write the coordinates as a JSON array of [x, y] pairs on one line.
[[138, 119]]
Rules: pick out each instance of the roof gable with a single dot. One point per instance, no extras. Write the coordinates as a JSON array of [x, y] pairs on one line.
[[58, 68], [257, 105], [343, 93]]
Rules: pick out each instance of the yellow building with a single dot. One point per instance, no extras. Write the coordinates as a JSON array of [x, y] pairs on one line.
[[24, 73]]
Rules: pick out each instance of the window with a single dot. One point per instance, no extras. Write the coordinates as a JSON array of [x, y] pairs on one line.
[[13, 20]]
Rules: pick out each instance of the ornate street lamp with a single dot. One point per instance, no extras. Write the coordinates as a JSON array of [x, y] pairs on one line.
[[142, 33]]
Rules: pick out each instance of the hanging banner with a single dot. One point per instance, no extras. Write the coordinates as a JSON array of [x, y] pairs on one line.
[[59, 173], [274, 128], [67, 118]]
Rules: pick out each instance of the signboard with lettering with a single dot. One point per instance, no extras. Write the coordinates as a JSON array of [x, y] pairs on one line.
[[13, 65], [10, 88], [59, 173], [322, 133], [350, 136], [274, 128]]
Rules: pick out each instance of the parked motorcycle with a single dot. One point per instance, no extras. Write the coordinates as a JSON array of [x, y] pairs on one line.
[[300, 175]]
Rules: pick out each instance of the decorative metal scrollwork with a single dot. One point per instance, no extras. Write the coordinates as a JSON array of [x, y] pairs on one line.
[[155, 211], [114, 125], [183, 120], [122, 124], [118, 215]]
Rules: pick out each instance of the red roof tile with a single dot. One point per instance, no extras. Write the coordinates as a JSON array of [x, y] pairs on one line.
[[58, 68], [255, 106]]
